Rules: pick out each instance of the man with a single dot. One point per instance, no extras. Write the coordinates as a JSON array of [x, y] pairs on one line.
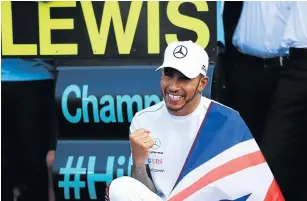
[[193, 147], [253, 75], [28, 127], [285, 138]]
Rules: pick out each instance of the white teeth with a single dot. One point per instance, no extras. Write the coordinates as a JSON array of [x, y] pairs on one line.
[[174, 97]]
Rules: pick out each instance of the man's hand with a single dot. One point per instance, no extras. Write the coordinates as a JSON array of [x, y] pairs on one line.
[[50, 158], [140, 142]]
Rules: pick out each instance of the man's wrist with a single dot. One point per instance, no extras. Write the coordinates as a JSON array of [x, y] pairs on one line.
[[138, 165], [139, 169]]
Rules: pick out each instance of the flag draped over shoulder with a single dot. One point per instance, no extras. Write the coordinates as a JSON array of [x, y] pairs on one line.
[[225, 163]]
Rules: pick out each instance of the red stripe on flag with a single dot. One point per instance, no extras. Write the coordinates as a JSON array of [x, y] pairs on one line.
[[274, 193], [231, 167]]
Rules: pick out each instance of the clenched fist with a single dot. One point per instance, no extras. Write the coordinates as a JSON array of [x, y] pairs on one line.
[[140, 142]]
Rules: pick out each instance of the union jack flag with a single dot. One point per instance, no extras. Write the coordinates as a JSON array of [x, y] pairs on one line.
[[225, 163]]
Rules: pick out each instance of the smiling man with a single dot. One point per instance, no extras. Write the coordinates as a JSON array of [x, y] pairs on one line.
[[188, 147]]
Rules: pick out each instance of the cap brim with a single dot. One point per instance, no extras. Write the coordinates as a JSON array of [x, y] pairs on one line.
[[159, 68], [187, 73]]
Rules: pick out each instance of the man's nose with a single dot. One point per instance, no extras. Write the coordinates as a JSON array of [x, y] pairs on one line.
[[174, 84]]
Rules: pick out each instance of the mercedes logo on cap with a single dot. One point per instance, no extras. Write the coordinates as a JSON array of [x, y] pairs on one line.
[[157, 143], [180, 52]]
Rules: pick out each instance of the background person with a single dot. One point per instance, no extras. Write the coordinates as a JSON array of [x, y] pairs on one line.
[[255, 57], [285, 138], [28, 126]]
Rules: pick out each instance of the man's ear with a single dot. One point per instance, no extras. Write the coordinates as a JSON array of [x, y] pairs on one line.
[[203, 83]]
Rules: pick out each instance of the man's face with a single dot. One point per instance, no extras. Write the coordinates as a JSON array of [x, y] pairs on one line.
[[179, 91]]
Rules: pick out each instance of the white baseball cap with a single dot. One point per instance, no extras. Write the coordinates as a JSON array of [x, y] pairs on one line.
[[187, 57]]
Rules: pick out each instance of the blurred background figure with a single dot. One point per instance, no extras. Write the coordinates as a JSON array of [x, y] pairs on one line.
[[266, 80], [28, 127], [253, 36], [285, 138]]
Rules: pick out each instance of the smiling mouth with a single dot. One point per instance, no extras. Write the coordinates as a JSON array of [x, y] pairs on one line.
[[173, 97]]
